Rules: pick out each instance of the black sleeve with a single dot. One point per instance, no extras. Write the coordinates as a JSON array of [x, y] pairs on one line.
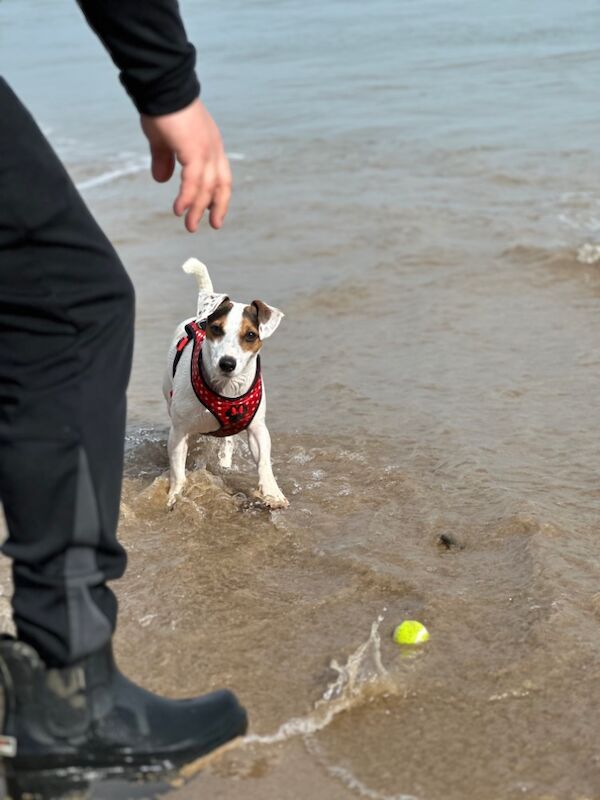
[[147, 41]]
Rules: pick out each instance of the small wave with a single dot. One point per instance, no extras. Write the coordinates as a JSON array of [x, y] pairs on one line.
[[527, 254], [362, 677], [130, 168], [545, 256], [351, 781], [580, 211], [584, 222]]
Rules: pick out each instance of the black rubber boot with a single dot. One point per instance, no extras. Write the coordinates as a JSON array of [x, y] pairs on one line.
[[89, 715]]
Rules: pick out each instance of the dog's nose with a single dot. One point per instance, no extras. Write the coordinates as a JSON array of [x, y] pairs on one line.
[[227, 363]]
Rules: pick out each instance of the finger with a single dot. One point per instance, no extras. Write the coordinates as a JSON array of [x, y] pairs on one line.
[[203, 198], [163, 163], [191, 180], [219, 205], [197, 209], [222, 193]]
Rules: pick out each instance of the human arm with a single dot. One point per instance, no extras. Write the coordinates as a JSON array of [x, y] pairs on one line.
[[146, 39]]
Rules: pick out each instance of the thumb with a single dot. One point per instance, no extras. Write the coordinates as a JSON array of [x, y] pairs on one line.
[[163, 162]]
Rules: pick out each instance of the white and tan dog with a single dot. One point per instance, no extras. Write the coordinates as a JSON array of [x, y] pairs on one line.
[[213, 383]]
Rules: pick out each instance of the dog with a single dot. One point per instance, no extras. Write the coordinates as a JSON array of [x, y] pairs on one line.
[[213, 383]]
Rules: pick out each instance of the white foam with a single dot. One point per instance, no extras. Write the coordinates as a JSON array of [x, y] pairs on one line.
[[233, 156], [348, 455], [302, 457], [588, 253]]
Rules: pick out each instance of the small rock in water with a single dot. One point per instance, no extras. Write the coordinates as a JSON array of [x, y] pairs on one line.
[[449, 541]]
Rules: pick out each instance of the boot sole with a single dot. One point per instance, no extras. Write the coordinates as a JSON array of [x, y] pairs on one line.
[[143, 781], [152, 764]]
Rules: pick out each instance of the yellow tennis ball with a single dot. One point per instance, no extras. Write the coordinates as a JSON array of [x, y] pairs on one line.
[[411, 632]]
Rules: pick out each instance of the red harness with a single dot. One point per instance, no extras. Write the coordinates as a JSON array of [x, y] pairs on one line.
[[234, 414]]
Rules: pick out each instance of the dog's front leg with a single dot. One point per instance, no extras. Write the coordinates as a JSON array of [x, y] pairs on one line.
[[178, 448], [260, 447]]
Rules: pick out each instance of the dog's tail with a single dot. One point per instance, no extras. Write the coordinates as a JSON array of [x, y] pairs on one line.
[[194, 267]]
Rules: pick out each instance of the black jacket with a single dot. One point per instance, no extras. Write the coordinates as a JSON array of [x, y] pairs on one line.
[[147, 41]]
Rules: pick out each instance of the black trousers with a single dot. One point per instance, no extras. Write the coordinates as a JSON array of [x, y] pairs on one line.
[[66, 332]]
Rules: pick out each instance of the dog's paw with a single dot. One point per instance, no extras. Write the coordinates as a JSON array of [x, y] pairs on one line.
[[277, 502], [274, 500], [172, 500]]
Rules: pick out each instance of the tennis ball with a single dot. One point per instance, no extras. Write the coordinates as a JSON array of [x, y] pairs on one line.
[[411, 632]]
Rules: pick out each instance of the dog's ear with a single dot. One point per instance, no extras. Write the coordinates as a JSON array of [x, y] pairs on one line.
[[268, 318], [209, 302]]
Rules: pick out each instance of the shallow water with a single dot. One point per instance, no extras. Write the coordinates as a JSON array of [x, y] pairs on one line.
[[416, 187]]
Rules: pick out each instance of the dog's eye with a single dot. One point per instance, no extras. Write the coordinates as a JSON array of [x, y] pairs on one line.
[[217, 330], [251, 336]]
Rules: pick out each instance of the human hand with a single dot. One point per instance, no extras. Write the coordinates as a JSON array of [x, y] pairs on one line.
[[191, 137]]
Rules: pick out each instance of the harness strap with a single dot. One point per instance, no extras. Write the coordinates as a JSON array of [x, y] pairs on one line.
[[234, 414], [185, 340]]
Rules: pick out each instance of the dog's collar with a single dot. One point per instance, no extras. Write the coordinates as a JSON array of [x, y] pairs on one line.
[[234, 414]]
